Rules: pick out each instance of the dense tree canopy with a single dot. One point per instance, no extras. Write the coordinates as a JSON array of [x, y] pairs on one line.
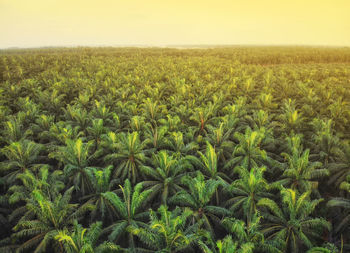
[[242, 149]]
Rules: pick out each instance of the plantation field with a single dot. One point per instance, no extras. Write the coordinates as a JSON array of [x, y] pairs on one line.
[[228, 149]]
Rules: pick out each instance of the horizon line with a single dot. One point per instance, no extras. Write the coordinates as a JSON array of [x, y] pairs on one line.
[[184, 46]]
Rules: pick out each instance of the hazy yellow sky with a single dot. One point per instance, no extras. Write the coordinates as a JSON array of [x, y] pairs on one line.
[[34, 23]]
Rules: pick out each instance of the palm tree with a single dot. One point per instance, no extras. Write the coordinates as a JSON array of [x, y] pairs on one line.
[[52, 100], [327, 146], [172, 123], [176, 144], [344, 205], [137, 123], [247, 153], [340, 169], [203, 117], [337, 111], [20, 156], [96, 131], [249, 234], [49, 184], [29, 110], [235, 114], [208, 163], [168, 233], [109, 142], [156, 136], [130, 155], [82, 240], [265, 101], [44, 219], [183, 111], [166, 175], [291, 119], [198, 198], [101, 111], [77, 117], [101, 182], [247, 191], [3, 108], [14, 130], [300, 174], [220, 138], [310, 100], [152, 110], [42, 127], [76, 158], [262, 122], [129, 210], [226, 245], [59, 133], [293, 223], [259, 119]]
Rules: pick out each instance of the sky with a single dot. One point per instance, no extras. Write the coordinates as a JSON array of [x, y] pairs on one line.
[[38, 23]]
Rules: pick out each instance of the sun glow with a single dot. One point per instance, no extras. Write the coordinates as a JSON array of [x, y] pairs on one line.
[[36, 23]]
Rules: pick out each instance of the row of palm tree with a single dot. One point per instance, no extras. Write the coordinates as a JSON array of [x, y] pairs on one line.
[[210, 195], [128, 150]]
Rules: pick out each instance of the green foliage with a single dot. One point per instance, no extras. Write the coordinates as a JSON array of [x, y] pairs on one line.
[[343, 203], [129, 156], [84, 240], [293, 223], [291, 119], [247, 191], [20, 156], [300, 174], [14, 130], [249, 236], [170, 150], [168, 233], [76, 158], [165, 175], [198, 198], [128, 209], [248, 153], [340, 169], [44, 219], [101, 182]]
